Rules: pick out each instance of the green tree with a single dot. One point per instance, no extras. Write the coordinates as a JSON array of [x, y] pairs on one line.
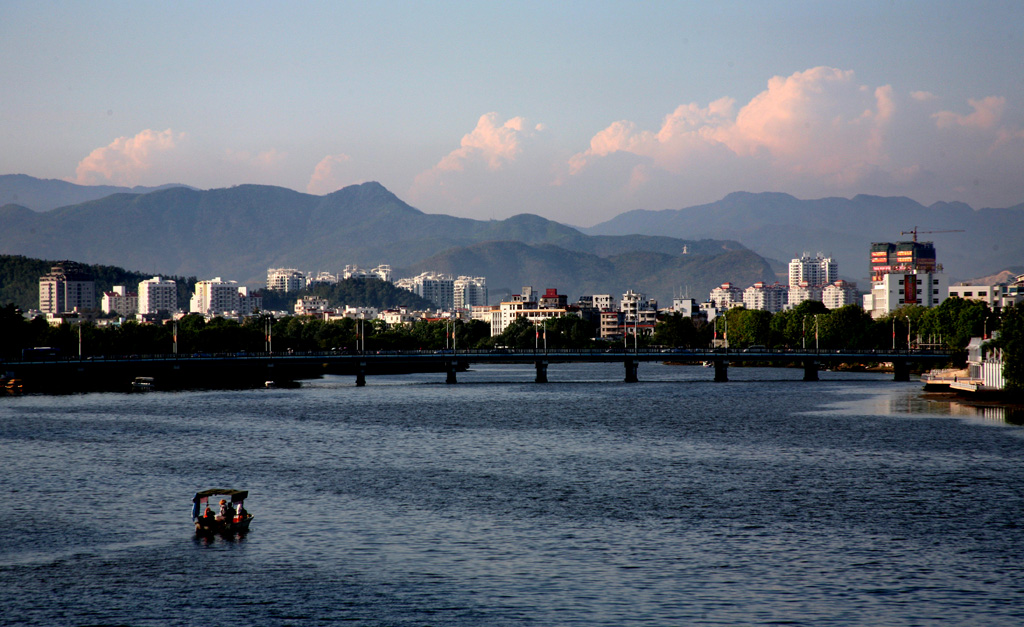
[[1011, 341], [675, 330]]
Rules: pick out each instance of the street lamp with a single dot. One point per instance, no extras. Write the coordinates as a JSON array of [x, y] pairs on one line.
[[816, 332], [803, 332], [908, 333]]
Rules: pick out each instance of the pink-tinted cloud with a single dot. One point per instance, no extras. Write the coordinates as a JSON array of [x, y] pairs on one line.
[[330, 175], [817, 122], [489, 162], [126, 159], [489, 142], [987, 114]]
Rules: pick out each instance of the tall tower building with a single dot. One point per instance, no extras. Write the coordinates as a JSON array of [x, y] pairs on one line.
[[904, 273], [67, 287]]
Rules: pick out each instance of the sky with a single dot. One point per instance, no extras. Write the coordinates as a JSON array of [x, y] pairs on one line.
[[576, 111]]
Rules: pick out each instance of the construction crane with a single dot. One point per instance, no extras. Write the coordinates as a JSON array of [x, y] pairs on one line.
[[914, 232]]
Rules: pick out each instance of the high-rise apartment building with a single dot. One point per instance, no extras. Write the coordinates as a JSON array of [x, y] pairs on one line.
[[285, 280], [156, 295], [469, 291], [67, 287]]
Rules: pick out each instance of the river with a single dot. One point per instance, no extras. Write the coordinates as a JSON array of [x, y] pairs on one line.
[[497, 501]]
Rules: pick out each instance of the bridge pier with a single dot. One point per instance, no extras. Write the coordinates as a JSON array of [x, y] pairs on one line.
[[631, 367], [361, 375], [901, 370], [721, 370], [810, 370], [451, 373], [542, 372]]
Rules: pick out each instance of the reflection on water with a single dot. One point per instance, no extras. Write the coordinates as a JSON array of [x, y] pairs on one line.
[[912, 401]]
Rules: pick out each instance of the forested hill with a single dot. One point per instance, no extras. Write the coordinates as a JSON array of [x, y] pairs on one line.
[[19, 285], [19, 280]]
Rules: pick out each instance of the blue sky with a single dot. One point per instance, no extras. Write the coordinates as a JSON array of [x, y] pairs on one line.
[[576, 111]]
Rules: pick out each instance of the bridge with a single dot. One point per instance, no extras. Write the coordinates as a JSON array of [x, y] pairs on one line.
[[241, 370]]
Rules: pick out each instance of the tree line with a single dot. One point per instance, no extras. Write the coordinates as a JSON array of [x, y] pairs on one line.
[[809, 325]]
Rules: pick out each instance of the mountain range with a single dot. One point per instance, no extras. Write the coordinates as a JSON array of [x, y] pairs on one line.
[[237, 233], [969, 242]]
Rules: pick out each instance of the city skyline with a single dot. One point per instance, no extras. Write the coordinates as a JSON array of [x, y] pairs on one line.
[[576, 111]]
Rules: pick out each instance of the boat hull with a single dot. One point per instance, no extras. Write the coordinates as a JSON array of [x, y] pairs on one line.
[[223, 528]]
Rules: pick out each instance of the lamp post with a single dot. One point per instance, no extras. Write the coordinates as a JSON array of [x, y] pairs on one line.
[[908, 333], [803, 332], [894, 333], [816, 332]]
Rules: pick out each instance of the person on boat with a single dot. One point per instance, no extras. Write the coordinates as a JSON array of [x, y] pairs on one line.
[[239, 512], [208, 514], [223, 515]]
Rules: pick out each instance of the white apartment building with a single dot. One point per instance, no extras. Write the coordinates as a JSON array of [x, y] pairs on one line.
[[382, 272], [156, 295], [726, 295], [997, 295], [310, 306], [119, 301], [321, 278], [686, 306], [771, 298], [839, 294], [437, 288], [67, 287], [798, 293], [604, 302], [391, 317], [892, 291], [469, 291], [817, 271], [638, 309], [285, 280], [508, 311], [216, 297]]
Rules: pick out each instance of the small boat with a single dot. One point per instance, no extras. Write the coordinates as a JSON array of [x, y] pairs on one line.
[[208, 522], [143, 384]]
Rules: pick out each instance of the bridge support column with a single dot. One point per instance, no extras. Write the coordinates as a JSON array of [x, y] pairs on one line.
[[451, 373], [631, 367], [901, 370], [542, 372], [361, 375], [721, 370], [810, 370]]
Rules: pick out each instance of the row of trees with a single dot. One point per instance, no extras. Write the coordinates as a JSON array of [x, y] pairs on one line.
[[809, 325]]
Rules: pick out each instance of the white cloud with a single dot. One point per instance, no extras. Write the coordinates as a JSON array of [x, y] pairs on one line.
[[330, 174], [126, 159], [814, 133], [494, 163], [490, 143], [988, 112]]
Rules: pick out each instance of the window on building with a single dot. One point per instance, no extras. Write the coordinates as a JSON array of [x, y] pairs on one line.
[[968, 294]]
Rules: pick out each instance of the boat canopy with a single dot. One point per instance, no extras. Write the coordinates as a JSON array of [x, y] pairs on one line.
[[237, 496]]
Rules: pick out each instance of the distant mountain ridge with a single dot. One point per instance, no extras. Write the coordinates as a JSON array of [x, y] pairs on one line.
[[238, 232], [780, 226], [47, 194]]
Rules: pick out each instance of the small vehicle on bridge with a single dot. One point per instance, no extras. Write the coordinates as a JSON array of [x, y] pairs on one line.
[[229, 520]]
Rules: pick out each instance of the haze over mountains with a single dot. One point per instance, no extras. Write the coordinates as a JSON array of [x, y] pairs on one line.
[[238, 232], [780, 226]]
